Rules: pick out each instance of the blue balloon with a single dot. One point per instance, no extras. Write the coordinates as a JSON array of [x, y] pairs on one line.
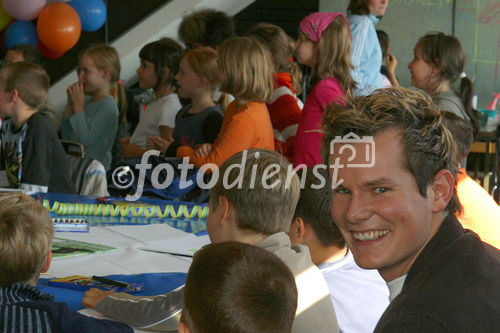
[[92, 13], [21, 32]]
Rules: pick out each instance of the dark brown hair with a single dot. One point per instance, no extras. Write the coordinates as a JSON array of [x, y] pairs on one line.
[[206, 27], [315, 207], [461, 132], [240, 288], [428, 144], [446, 53], [164, 52], [358, 7]]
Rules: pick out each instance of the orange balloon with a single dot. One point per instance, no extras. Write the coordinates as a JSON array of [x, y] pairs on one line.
[[59, 27]]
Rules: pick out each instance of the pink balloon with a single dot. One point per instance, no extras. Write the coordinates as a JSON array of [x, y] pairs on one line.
[[25, 10]]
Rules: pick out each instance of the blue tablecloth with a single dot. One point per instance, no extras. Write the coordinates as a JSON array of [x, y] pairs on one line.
[[154, 284]]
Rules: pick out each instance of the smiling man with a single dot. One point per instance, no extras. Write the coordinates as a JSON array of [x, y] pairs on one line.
[[398, 216]]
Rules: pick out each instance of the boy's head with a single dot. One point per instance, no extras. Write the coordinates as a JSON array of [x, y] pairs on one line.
[[314, 209], [26, 81], [26, 232], [206, 27], [237, 287], [257, 191], [24, 52]]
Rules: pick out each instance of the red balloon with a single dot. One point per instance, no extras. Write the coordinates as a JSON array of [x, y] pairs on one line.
[[48, 53], [59, 27]]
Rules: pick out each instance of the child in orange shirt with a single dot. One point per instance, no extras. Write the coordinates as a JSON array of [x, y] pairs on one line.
[[247, 74]]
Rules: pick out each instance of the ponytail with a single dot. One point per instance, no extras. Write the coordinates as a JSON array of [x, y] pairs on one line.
[[118, 93], [466, 93]]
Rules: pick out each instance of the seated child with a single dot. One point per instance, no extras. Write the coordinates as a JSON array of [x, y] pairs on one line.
[[200, 121], [247, 71], [26, 232], [359, 296], [239, 288], [252, 205], [93, 121], [30, 53], [159, 65], [284, 106], [31, 153], [480, 213]]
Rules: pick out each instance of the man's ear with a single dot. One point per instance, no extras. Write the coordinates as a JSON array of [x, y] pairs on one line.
[[46, 266], [443, 187], [183, 328]]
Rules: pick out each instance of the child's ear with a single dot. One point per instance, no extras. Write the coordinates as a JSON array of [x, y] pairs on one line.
[[227, 210], [46, 266], [106, 73], [14, 95]]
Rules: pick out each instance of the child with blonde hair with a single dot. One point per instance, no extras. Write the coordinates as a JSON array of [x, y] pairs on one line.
[[26, 232], [247, 71], [284, 106], [200, 121], [159, 65], [93, 121], [324, 44]]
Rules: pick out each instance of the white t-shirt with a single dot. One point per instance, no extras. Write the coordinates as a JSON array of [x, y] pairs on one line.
[[359, 296], [161, 112], [395, 286]]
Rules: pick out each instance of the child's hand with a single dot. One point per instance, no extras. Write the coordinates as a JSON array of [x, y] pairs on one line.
[[93, 296], [204, 150], [76, 95], [158, 143], [130, 150], [125, 140], [391, 62]]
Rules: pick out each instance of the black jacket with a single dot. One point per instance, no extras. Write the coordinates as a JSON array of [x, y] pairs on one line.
[[453, 286]]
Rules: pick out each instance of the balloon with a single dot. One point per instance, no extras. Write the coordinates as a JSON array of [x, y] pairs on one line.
[[59, 27], [25, 10], [21, 32], [48, 53], [92, 13], [5, 18]]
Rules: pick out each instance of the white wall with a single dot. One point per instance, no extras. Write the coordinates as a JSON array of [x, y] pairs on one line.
[[163, 23]]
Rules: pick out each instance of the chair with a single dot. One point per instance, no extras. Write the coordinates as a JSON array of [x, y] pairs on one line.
[[88, 175]]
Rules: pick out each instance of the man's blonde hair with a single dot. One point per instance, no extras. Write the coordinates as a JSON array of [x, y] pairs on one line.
[[259, 209], [248, 69], [26, 232], [30, 80]]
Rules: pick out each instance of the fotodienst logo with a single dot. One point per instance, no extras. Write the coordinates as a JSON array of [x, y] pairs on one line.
[[361, 152]]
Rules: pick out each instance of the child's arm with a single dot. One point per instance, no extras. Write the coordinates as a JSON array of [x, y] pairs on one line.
[[392, 64], [147, 312], [166, 132], [100, 128], [239, 135]]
